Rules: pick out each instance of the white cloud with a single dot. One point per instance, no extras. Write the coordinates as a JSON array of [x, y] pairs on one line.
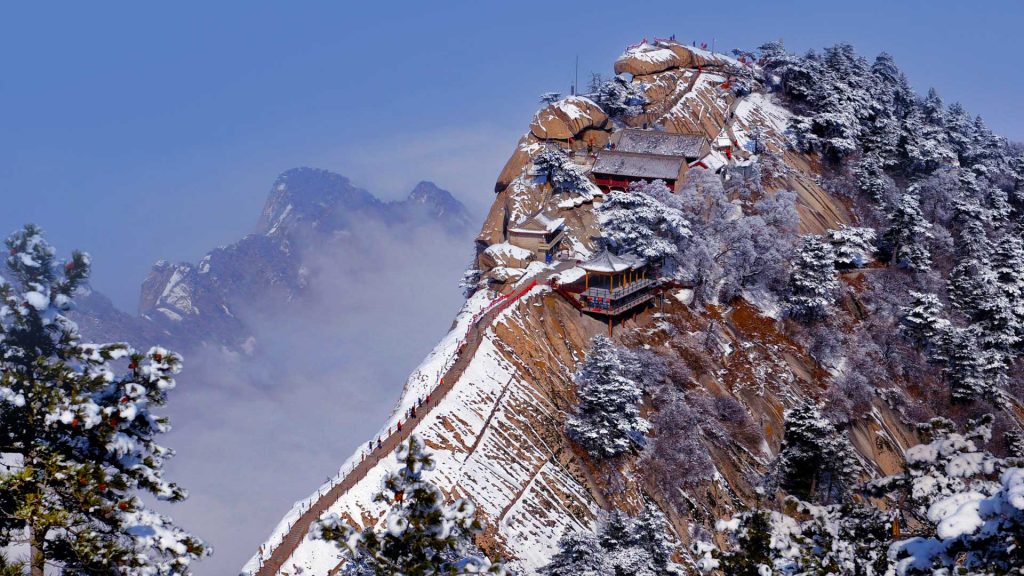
[[465, 160]]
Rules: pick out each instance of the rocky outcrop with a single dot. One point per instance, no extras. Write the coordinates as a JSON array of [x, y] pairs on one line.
[[647, 59], [568, 118]]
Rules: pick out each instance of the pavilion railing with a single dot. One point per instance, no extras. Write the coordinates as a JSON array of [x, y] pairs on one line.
[[631, 288], [619, 307]]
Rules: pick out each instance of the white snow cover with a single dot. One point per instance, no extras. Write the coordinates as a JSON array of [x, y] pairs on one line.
[[569, 276], [575, 107], [469, 435], [177, 293], [713, 160], [284, 214], [507, 250], [759, 109], [649, 53]]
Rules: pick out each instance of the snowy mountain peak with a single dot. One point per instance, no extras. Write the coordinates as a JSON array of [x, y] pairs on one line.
[[429, 201], [311, 195], [309, 212], [427, 191]]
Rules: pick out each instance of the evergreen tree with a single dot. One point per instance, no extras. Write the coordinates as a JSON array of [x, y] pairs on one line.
[[650, 530], [882, 130], [620, 97], [579, 553], [793, 76], [972, 282], [815, 460], [986, 285], [931, 147], [752, 553], [837, 540], [607, 419], [850, 539], [967, 501], [1007, 324], [961, 134], [562, 173], [636, 221], [78, 431], [923, 320], [812, 281], [623, 546], [423, 535], [907, 232], [968, 367], [852, 246], [872, 180]]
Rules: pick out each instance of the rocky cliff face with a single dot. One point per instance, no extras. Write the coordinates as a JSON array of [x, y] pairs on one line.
[[308, 212], [499, 434]]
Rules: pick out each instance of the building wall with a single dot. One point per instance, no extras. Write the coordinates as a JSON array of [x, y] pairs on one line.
[[529, 242]]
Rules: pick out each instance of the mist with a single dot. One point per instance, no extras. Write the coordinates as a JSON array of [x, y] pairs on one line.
[[256, 432]]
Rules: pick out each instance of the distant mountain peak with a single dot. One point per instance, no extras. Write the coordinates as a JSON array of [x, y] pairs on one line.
[[429, 200], [308, 194], [305, 212], [427, 191]]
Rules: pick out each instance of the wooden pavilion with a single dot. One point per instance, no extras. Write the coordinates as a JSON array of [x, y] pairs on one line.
[[615, 284]]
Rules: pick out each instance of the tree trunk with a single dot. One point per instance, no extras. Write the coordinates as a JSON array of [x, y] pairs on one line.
[[37, 561]]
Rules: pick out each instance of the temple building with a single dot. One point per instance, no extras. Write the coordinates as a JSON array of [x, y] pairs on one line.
[[645, 155], [541, 235]]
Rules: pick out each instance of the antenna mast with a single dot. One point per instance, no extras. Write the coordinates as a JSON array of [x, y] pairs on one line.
[[576, 77]]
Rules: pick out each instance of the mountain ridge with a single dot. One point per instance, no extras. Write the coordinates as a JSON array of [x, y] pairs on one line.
[[307, 211], [735, 356]]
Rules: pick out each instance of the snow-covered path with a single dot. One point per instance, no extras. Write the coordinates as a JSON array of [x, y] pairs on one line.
[[474, 336]]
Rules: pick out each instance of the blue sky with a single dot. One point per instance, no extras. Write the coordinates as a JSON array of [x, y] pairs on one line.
[[141, 131]]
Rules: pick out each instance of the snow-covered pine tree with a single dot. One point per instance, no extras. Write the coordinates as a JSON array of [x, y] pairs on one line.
[[925, 128], [1006, 328], [812, 281], [922, 320], [636, 221], [620, 97], [852, 246], [960, 131], [793, 76], [872, 180], [972, 282], [815, 461], [650, 532], [423, 535], [850, 539], [563, 174], [761, 543], [78, 434], [840, 105], [607, 421], [578, 553], [882, 131], [969, 369], [622, 546], [907, 233], [967, 500], [837, 540]]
